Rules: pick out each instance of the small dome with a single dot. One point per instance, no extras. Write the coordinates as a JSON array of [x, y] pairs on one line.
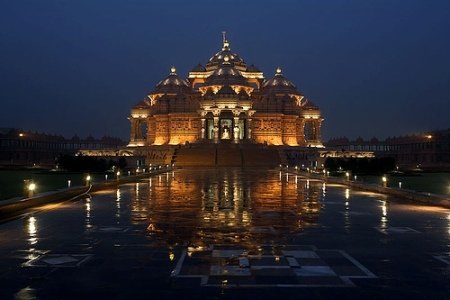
[[198, 68], [253, 69], [280, 83], [172, 83], [308, 104], [142, 104]]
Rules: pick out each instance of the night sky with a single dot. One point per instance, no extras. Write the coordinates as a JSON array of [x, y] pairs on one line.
[[375, 68]]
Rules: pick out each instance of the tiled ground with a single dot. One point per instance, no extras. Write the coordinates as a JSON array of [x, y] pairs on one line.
[[269, 266], [228, 234]]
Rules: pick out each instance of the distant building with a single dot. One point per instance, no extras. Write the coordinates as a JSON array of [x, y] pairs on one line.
[[430, 150], [225, 101], [25, 148]]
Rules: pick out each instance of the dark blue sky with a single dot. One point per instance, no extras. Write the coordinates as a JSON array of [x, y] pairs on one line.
[[375, 68]]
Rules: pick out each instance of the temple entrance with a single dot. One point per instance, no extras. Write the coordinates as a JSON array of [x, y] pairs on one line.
[[226, 129], [225, 126]]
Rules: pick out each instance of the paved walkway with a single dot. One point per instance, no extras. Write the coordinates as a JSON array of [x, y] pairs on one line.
[[228, 234]]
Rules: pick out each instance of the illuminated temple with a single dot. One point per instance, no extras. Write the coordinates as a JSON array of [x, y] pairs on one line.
[[225, 101]]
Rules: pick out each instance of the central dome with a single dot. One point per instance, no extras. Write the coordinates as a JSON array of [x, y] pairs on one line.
[[225, 55]]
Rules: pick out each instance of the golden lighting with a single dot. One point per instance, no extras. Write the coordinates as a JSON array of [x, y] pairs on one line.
[[21, 134], [171, 256], [32, 230], [31, 187], [347, 194]]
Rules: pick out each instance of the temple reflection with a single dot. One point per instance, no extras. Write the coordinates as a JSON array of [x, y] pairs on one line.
[[227, 206]]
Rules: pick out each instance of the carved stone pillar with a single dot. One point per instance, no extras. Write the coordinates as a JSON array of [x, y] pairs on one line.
[[203, 130], [133, 131], [249, 123], [236, 130], [301, 132], [317, 123], [216, 129]]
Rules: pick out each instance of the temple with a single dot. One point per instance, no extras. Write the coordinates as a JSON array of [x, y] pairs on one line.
[[225, 101]]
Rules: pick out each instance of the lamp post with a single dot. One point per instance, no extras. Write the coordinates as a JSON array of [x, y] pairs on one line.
[[88, 180], [31, 188], [347, 175], [118, 175], [384, 180]]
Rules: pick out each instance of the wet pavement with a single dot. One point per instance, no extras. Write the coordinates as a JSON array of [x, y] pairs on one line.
[[228, 234]]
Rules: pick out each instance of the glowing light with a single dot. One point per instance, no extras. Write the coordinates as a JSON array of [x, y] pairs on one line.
[[171, 256], [347, 194], [69, 182], [347, 174], [32, 230], [31, 187], [106, 177], [399, 184], [429, 136], [173, 69], [88, 178], [21, 134]]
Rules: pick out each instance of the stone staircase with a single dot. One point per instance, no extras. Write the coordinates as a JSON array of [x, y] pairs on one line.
[[227, 155]]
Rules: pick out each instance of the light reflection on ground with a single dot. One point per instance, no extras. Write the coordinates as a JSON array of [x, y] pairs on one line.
[[234, 207], [205, 233]]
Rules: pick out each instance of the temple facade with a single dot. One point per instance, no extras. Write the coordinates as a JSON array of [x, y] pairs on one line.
[[225, 101]]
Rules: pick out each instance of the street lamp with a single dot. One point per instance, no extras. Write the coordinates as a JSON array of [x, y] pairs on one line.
[[31, 188], [384, 180], [347, 174], [118, 175], [88, 180]]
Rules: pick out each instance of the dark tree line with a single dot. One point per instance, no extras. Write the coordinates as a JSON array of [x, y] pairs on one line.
[[361, 165], [89, 163]]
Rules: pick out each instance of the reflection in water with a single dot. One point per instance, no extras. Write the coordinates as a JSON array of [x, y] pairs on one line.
[[88, 224], [118, 200], [347, 223], [200, 207], [32, 231], [384, 215]]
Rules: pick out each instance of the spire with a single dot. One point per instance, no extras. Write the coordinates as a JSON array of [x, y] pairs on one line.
[[278, 72], [226, 44]]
